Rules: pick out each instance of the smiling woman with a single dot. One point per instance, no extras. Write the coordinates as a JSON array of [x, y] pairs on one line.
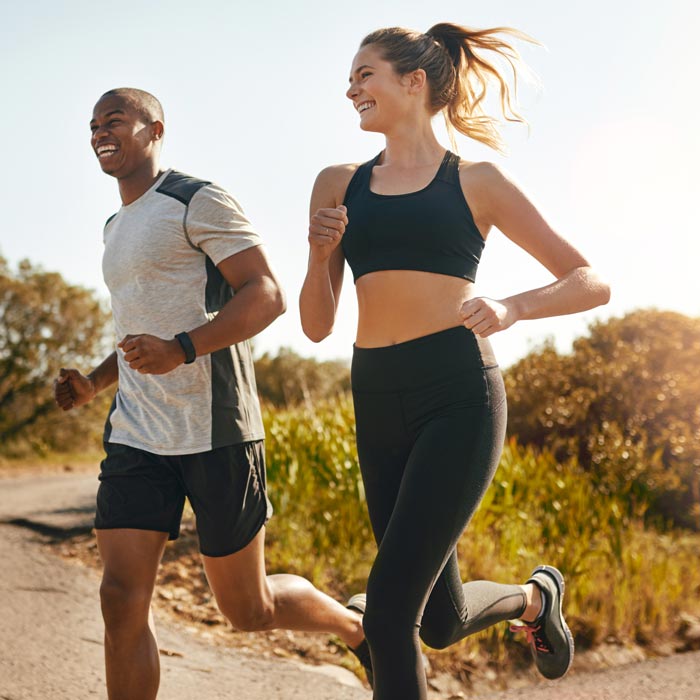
[[428, 395]]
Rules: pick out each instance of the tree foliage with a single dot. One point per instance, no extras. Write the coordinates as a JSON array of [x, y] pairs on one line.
[[288, 379], [626, 403], [45, 324]]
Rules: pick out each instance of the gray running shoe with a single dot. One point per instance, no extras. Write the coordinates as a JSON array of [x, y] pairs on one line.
[[358, 603], [550, 639]]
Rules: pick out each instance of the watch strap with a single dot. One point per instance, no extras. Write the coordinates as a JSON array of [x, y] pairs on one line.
[[188, 347]]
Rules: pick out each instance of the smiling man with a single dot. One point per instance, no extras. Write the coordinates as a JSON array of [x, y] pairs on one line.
[[189, 284]]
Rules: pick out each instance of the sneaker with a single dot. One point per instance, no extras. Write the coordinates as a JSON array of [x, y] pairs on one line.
[[358, 603], [550, 639]]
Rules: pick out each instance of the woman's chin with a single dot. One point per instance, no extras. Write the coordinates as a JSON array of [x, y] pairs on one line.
[[369, 126]]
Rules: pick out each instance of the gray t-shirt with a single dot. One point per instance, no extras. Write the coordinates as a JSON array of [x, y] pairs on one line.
[[159, 263]]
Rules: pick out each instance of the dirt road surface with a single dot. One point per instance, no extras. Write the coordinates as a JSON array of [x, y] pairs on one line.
[[51, 630]]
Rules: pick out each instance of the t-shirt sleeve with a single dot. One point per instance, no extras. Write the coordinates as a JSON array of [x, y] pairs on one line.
[[216, 224]]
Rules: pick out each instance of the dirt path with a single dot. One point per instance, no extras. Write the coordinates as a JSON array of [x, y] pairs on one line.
[[51, 631]]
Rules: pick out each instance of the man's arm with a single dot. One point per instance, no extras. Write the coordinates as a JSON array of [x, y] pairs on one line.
[[258, 301], [73, 389]]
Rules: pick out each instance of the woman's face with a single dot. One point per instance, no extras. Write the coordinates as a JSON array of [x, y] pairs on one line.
[[378, 93]]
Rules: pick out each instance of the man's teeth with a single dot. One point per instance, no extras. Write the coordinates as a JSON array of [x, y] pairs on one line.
[[106, 151]]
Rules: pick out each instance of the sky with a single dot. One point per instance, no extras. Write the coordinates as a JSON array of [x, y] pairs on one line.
[[254, 97]]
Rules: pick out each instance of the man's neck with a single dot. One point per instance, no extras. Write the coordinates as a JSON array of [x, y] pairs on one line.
[[139, 182]]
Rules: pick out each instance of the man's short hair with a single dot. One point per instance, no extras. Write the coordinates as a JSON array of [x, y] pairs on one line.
[[146, 105]]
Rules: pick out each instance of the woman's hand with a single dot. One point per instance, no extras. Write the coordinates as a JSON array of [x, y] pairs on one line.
[[326, 230], [484, 316]]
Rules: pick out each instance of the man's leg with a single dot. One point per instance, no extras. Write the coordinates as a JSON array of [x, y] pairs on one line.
[[252, 601], [130, 558]]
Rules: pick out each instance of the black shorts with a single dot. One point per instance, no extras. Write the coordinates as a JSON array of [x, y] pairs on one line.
[[226, 488]]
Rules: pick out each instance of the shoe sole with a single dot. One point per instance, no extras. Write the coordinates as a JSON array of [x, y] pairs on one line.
[[358, 603]]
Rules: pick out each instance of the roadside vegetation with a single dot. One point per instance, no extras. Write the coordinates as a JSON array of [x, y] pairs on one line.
[[600, 474]]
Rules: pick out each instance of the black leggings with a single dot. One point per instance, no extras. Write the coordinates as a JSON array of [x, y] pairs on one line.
[[431, 418]]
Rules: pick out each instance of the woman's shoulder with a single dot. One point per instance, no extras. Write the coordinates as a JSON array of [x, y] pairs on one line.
[[484, 170], [338, 173], [484, 179], [332, 182], [484, 185]]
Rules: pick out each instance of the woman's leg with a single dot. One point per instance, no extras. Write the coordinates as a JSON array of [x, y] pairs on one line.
[[447, 472], [455, 609]]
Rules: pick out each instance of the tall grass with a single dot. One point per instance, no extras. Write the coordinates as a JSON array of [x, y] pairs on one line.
[[624, 581]]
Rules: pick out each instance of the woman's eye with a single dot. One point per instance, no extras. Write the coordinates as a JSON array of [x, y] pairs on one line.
[[365, 75]]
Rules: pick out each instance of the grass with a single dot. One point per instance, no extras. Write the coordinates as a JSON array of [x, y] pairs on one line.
[[626, 582]]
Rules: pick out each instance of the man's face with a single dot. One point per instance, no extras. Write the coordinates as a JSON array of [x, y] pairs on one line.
[[122, 139]]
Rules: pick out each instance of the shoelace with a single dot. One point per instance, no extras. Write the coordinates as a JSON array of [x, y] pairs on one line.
[[532, 636]]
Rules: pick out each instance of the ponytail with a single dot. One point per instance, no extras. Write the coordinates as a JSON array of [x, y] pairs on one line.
[[457, 73]]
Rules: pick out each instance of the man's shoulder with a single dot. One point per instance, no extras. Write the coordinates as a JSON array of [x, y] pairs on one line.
[[181, 186]]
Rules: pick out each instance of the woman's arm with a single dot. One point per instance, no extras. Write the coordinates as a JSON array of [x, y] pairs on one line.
[[320, 293], [497, 201]]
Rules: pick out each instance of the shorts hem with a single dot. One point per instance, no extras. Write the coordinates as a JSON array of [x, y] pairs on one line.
[[238, 548], [170, 535]]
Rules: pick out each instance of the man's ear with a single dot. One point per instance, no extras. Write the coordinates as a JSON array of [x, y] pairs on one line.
[[157, 129]]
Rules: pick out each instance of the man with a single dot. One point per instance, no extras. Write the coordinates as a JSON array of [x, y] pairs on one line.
[[189, 285]]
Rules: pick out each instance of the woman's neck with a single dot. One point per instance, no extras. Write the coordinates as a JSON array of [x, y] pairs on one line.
[[412, 146]]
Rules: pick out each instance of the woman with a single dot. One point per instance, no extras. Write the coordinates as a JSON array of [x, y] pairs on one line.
[[429, 398]]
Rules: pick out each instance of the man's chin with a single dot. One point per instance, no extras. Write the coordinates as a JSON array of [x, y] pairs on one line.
[[107, 170]]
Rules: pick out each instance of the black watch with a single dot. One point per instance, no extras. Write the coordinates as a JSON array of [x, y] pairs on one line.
[[188, 347]]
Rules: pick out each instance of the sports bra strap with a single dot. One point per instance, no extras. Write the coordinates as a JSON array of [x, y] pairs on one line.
[[449, 169], [361, 177]]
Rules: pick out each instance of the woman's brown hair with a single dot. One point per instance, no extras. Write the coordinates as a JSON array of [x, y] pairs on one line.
[[458, 74]]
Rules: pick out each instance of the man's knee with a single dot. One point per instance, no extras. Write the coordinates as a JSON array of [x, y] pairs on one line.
[[249, 615], [124, 605]]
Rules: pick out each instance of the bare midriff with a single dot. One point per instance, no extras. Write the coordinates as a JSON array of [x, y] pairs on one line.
[[399, 305]]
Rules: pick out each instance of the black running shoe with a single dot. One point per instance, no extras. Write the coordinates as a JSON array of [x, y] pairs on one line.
[[358, 603], [550, 639]]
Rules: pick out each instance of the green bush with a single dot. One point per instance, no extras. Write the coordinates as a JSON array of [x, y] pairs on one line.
[[624, 580], [626, 403]]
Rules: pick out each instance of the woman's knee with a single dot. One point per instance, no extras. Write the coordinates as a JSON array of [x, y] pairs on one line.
[[386, 622], [436, 634]]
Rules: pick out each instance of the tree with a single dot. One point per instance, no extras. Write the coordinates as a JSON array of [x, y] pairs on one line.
[[288, 379], [45, 324], [626, 403]]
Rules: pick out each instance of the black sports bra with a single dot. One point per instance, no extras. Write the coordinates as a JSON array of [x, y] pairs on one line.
[[432, 230]]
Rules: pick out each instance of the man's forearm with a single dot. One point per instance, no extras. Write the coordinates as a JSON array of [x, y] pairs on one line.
[[254, 307], [105, 374]]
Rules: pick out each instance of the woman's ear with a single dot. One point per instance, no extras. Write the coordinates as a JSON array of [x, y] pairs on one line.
[[417, 80]]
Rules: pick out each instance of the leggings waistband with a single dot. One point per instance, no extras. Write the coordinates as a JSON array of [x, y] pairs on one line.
[[420, 361]]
